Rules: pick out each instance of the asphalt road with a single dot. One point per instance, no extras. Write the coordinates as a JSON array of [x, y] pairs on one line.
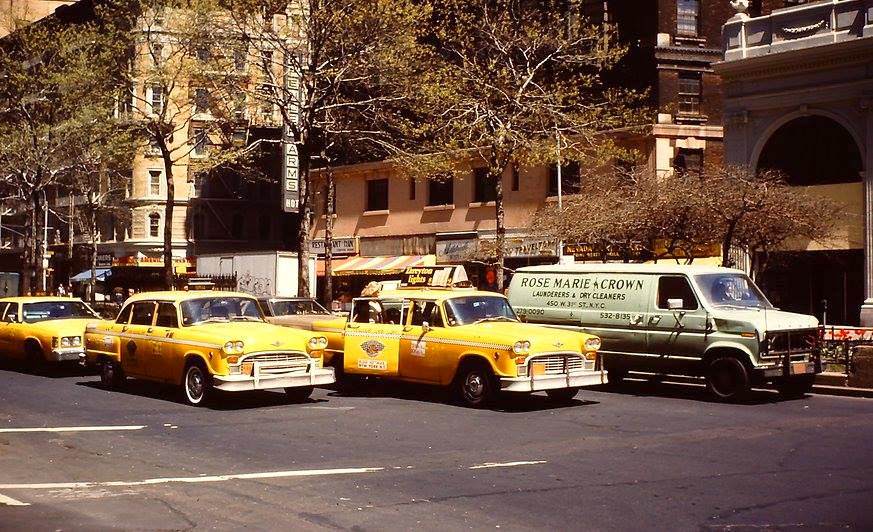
[[399, 457]]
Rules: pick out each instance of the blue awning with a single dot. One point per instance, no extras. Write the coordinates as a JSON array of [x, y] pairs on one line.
[[102, 274]]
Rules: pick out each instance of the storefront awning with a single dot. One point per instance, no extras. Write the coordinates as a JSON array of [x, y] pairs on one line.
[[377, 265], [102, 274]]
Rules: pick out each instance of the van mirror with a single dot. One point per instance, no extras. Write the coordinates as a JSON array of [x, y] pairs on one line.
[[675, 304]]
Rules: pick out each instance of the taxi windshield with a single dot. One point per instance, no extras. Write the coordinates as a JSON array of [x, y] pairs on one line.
[[56, 310], [292, 307], [220, 309], [475, 309], [731, 290]]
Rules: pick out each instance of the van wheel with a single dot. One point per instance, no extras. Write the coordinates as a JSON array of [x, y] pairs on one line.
[[298, 394], [616, 376], [196, 384], [111, 375], [796, 387], [727, 379], [562, 395], [475, 385]]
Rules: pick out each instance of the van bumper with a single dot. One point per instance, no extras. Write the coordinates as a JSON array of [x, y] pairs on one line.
[[782, 371], [550, 382], [242, 383]]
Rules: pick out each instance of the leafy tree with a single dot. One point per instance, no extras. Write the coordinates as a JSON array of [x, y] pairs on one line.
[[511, 83]]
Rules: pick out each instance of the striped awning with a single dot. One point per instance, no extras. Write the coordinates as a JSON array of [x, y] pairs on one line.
[[379, 265]]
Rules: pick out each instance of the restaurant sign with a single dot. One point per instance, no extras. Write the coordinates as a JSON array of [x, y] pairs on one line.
[[340, 246]]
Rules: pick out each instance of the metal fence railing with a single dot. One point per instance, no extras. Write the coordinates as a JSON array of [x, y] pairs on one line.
[[839, 343]]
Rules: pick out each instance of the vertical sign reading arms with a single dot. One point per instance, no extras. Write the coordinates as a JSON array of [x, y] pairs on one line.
[[290, 159]]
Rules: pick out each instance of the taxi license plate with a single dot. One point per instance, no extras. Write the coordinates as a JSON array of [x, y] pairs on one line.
[[798, 368], [537, 369]]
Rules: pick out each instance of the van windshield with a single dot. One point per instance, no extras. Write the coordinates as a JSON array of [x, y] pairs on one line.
[[731, 290], [475, 309]]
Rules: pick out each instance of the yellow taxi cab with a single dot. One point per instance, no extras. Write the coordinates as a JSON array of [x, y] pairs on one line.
[[469, 340], [43, 329], [203, 340]]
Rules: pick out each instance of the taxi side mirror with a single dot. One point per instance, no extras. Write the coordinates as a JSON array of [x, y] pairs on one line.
[[425, 326]]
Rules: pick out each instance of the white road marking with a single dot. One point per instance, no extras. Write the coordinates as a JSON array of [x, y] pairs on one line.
[[192, 480], [500, 464], [74, 429], [9, 501]]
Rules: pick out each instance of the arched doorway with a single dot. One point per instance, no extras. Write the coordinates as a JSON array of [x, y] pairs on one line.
[[812, 151]]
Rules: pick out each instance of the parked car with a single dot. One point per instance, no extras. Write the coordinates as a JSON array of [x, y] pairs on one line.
[[465, 339], [202, 341], [43, 329], [292, 311], [676, 319]]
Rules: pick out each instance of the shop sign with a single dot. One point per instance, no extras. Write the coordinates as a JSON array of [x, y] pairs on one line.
[[434, 277], [104, 260], [588, 252], [530, 247], [341, 246], [456, 250]]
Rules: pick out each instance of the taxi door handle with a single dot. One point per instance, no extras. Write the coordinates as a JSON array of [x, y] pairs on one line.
[[149, 329], [124, 328], [353, 326]]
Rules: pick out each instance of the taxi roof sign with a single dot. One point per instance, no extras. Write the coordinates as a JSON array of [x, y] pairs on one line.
[[435, 277]]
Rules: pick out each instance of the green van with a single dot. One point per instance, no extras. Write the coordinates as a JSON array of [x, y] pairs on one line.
[[675, 319]]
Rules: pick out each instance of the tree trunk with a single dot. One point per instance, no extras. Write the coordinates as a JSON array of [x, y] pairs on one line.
[[497, 176], [169, 271], [39, 247], [27, 267], [328, 239], [727, 242], [304, 211], [92, 282]]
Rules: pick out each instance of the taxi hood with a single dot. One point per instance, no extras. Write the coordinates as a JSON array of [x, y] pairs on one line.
[[257, 336], [62, 327], [542, 339]]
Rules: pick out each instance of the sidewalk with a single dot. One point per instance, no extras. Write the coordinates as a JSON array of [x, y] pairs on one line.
[[833, 383]]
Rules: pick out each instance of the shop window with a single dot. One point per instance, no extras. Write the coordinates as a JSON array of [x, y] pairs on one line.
[[484, 188], [570, 179], [688, 160], [441, 191], [687, 17], [675, 288], [690, 92], [154, 224], [377, 195]]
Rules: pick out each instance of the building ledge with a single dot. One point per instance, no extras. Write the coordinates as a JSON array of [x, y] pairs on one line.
[[432, 208], [476, 204], [384, 212]]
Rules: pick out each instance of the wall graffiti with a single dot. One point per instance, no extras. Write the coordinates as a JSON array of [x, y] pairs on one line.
[[256, 286]]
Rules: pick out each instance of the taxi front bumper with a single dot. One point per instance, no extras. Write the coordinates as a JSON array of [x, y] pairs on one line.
[[550, 382], [241, 383], [66, 354]]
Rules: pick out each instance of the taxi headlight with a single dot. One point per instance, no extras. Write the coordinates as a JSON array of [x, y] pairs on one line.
[[322, 342], [233, 347], [66, 341], [77, 341], [228, 347], [238, 346], [316, 343], [592, 344], [521, 347]]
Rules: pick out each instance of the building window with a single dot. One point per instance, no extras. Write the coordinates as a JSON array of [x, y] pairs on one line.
[[154, 182], [201, 100], [156, 99], [411, 189], [377, 195], [154, 224], [687, 17], [516, 178], [239, 59], [441, 191], [264, 225], [203, 54], [236, 225], [200, 140], [157, 54], [688, 160], [571, 181], [690, 91], [484, 188]]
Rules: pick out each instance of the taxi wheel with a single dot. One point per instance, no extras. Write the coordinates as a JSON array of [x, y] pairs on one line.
[[111, 375], [298, 394], [196, 384], [562, 395], [33, 355], [728, 379], [475, 385], [796, 387]]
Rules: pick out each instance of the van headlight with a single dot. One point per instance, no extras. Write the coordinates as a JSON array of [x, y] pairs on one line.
[[233, 347], [317, 343], [592, 344], [521, 347]]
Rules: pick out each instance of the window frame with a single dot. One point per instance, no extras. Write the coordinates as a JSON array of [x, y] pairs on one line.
[[154, 180], [688, 284], [689, 101], [154, 229], [484, 191], [369, 189], [690, 13], [449, 185]]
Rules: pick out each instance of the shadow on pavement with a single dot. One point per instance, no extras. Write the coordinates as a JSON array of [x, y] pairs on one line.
[[507, 403], [221, 401], [50, 370], [655, 387]]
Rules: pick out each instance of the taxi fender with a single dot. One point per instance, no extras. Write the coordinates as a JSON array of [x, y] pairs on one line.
[[34, 339], [476, 357], [193, 357]]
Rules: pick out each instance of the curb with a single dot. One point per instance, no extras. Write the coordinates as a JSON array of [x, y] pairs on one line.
[[843, 391]]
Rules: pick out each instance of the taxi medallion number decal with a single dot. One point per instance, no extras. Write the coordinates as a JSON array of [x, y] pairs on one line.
[[372, 348]]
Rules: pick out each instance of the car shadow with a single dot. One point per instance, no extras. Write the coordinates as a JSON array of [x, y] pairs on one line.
[[506, 403], [220, 401], [49, 370], [688, 389]]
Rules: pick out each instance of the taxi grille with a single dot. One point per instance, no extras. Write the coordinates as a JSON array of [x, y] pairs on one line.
[[278, 363], [269, 358], [557, 364]]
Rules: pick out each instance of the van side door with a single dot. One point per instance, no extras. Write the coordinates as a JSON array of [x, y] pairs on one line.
[[613, 306], [676, 322]]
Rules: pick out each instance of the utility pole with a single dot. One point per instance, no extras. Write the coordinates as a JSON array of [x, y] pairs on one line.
[[70, 247], [45, 210]]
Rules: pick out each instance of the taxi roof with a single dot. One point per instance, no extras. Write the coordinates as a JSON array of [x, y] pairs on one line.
[[182, 295], [37, 299], [432, 293]]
